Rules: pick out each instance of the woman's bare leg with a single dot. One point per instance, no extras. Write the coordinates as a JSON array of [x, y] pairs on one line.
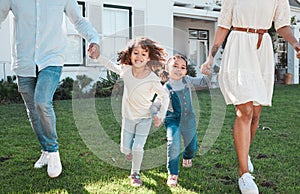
[[255, 121], [242, 134]]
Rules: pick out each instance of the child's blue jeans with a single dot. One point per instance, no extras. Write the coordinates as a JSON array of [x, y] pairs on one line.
[[187, 130]]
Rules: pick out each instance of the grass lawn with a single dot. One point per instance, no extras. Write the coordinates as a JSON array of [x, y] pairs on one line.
[[89, 135]]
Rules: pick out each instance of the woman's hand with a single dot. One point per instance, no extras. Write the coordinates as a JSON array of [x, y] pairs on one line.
[[206, 66], [297, 48]]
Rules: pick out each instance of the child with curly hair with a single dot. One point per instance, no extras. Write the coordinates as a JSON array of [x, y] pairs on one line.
[[140, 85]]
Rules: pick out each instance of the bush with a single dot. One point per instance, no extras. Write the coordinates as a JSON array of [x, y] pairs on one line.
[[105, 86], [82, 87], [9, 91], [64, 90]]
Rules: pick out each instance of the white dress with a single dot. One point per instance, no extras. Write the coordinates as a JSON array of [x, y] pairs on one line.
[[247, 73]]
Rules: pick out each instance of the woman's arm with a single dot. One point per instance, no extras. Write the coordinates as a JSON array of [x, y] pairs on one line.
[[288, 35], [219, 38]]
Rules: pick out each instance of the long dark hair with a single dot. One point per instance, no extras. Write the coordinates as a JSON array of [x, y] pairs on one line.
[[157, 54]]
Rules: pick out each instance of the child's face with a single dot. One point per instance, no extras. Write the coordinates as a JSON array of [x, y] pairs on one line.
[[139, 56], [177, 68]]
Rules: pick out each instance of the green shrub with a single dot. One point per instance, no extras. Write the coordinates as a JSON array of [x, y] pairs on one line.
[[82, 87], [105, 86], [9, 91], [64, 90]]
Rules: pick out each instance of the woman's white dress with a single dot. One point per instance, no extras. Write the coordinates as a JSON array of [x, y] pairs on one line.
[[247, 73]]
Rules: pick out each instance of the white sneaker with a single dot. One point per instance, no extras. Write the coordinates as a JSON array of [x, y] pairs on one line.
[[172, 180], [250, 165], [247, 185], [43, 160], [54, 165]]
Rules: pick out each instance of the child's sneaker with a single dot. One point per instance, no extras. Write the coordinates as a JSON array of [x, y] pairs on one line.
[[172, 180], [250, 165], [187, 163], [43, 160], [129, 157], [135, 180], [247, 185]]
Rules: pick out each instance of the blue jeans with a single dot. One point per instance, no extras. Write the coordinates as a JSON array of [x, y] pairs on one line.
[[133, 139], [37, 93], [187, 130]]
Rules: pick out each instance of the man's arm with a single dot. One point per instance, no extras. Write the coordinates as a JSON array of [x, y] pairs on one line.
[[84, 28], [4, 10]]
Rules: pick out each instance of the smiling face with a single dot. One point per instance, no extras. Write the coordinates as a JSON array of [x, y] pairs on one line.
[[177, 68], [139, 57]]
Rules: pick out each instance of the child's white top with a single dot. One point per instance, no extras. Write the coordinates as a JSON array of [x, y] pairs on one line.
[[138, 93]]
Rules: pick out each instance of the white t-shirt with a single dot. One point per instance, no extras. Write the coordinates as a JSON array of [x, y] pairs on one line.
[[138, 93]]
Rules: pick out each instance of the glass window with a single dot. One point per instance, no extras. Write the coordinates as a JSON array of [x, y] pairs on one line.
[[75, 44], [116, 29]]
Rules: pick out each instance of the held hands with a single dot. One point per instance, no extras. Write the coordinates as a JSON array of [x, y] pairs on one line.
[[157, 121], [205, 67], [94, 50], [297, 48]]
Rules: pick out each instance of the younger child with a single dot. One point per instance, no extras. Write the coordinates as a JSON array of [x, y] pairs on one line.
[[140, 84], [180, 119]]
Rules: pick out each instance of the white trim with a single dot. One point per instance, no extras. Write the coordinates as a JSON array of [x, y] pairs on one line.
[[195, 13]]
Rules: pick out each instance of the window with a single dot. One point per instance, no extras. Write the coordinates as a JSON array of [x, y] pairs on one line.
[[116, 29], [198, 46], [75, 46]]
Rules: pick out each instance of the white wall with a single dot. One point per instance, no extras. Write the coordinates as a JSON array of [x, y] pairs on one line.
[[5, 56], [159, 20]]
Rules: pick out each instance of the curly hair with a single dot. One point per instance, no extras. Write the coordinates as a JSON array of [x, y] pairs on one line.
[[157, 54]]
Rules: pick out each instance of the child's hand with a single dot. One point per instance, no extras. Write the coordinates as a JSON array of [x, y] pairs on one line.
[[157, 121]]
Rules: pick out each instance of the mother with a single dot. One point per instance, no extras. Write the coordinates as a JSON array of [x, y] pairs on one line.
[[247, 68]]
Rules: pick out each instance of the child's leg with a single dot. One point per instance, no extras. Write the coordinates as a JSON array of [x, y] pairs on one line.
[[190, 147], [190, 140], [127, 134], [142, 130], [173, 148]]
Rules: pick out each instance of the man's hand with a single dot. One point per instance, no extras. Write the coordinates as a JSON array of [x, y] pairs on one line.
[[157, 121], [94, 51]]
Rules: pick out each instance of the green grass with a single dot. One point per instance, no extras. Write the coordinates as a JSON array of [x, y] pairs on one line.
[[92, 162]]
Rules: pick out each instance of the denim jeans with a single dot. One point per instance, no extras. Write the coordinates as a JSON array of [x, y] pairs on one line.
[[174, 132], [37, 93], [179, 122], [133, 139]]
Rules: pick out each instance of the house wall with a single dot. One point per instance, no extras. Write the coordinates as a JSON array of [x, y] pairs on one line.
[[5, 67], [182, 26], [157, 19]]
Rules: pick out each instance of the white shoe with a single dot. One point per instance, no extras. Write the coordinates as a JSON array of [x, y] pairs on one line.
[[247, 185], [250, 165], [54, 165], [43, 160], [172, 180]]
